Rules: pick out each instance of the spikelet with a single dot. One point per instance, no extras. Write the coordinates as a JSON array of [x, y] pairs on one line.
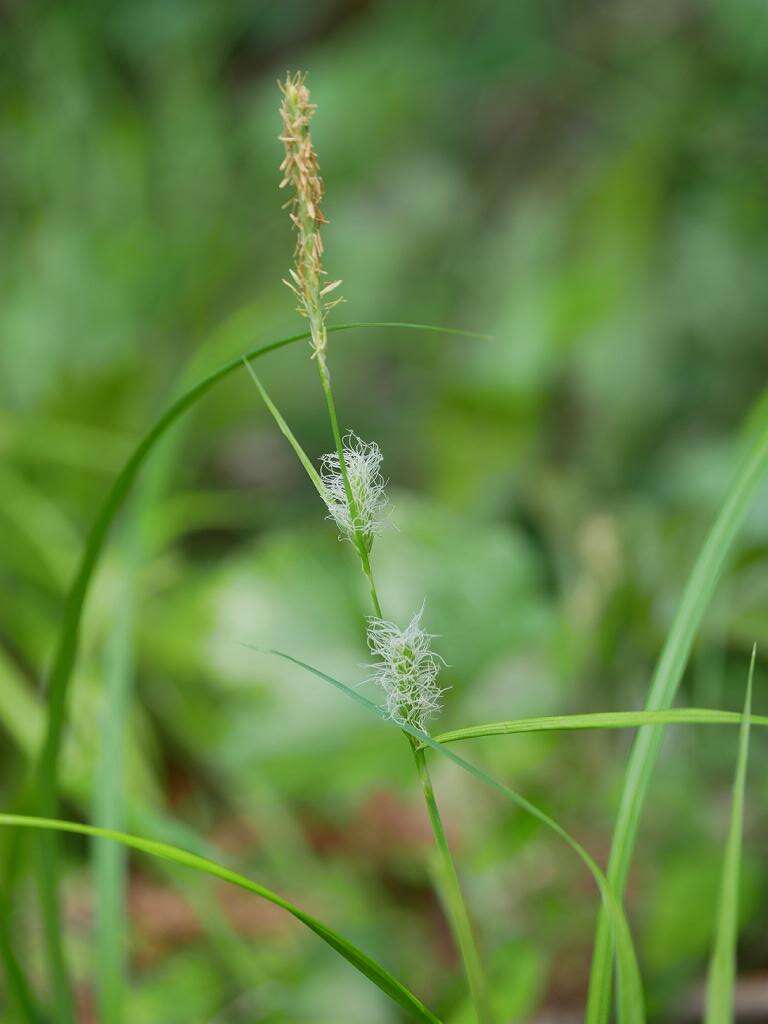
[[363, 464], [300, 172], [406, 669]]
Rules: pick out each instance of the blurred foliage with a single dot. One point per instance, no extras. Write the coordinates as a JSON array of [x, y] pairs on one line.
[[584, 181]]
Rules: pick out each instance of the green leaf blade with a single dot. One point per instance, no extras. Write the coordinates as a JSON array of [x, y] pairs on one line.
[[666, 680], [600, 720], [286, 431], [365, 964], [721, 978]]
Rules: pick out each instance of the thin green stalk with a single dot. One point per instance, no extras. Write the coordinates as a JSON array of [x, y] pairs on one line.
[[109, 859], [448, 880], [20, 1000], [450, 887], [722, 966], [362, 549], [48, 864], [450, 890], [452, 898]]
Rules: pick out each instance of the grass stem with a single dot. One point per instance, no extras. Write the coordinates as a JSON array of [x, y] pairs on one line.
[[360, 544], [450, 891], [449, 885]]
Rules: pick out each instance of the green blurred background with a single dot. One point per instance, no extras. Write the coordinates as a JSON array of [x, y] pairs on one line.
[[584, 181]]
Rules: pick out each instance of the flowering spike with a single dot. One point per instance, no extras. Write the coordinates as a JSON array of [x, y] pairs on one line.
[[363, 463], [300, 170], [406, 669]]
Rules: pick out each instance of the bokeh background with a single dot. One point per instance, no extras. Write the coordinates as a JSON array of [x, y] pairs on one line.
[[584, 181]]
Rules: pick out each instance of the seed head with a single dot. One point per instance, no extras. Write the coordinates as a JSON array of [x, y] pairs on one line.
[[363, 463], [406, 669], [300, 172]]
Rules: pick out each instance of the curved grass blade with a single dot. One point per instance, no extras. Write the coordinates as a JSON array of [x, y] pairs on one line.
[[666, 679], [45, 776], [237, 963], [108, 859], [286, 431], [630, 991], [600, 720], [367, 966], [722, 966]]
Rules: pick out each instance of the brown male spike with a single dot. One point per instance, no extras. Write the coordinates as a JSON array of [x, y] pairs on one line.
[[300, 171]]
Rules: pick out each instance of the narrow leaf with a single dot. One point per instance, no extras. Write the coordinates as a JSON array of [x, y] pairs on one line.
[[600, 720], [722, 966], [304, 459], [109, 798], [666, 679], [372, 970]]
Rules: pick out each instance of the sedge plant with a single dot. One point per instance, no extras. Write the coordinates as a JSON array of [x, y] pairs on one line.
[[405, 667], [353, 489]]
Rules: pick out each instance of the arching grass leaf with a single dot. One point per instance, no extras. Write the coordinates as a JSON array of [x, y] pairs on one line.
[[367, 966], [722, 966], [600, 720], [669, 671]]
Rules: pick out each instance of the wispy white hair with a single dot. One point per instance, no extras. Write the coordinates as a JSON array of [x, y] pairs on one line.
[[406, 668], [363, 461]]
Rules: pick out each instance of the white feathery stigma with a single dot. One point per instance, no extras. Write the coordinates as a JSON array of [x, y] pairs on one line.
[[406, 669], [363, 463]]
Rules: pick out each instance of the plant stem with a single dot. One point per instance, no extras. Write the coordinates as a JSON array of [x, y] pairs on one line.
[[448, 879], [109, 859], [450, 890], [48, 864], [362, 549]]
